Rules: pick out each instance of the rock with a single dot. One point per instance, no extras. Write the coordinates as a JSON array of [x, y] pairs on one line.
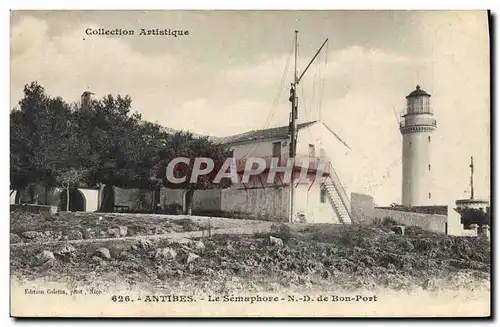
[[88, 233], [126, 256], [191, 257], [177, 228], [44, 257], [399, 229], [99, 260], [114, 232], [103, 234], [32, 235], [75, 235], [123, 231], [58, 235], [165, 254], [142, 244], [161, 230], [103, 253], [276, 241], [66, 251], [198, 245], [14, 238]]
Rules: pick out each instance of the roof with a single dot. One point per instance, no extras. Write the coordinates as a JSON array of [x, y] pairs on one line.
[[471, 201], [262, 134], [418, 92]]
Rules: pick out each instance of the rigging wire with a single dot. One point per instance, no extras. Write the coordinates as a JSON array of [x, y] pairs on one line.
[[322, 84], [315, 89], [277, 98], [305, 109], [385, 176]]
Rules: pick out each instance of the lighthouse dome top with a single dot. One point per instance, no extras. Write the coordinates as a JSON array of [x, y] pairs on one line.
[[418, 92]]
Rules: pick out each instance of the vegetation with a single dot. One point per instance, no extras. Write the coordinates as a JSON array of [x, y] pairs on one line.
[[325, 256], [54, 143]]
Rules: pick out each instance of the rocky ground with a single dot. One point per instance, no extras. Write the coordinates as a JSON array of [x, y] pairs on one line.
[[28, 227], [327, 257]]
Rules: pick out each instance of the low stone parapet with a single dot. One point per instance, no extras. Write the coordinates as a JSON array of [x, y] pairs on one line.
[[34, 208]]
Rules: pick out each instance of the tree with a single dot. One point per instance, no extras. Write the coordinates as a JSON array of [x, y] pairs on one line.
[[54, 143], [37, 132], [115, 147], [71, 177], [186, 145]]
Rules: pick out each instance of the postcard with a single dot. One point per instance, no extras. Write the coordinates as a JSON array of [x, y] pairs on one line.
[[267, 163]]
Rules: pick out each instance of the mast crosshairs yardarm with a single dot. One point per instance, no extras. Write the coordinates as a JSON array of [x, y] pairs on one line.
[[294, 115]]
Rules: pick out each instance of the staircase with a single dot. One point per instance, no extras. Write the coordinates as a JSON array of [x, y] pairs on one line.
[[338, 198]]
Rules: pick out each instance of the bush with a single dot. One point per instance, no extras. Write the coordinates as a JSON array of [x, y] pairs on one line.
[[187, 225], [281, 231], [388, 221]]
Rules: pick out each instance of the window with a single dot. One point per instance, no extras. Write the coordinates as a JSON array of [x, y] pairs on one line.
[[429, 166], [322, 195], [276, 149], [429, 139], [311, 151], [429, 195]]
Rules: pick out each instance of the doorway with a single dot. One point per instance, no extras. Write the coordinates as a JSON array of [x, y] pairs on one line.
[[188, 202], [76, 200]]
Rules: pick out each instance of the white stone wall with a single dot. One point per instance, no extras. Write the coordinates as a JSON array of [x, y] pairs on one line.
[[171, 196], [308, 201], [13, 197], [262, 148], [91, 199], [267, 203]]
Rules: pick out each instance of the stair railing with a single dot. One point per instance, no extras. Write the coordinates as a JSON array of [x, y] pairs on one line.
[[342, 193]]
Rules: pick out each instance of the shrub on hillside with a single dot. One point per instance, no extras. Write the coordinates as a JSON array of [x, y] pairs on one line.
[[21, 221], [281, 231], [187, 225]]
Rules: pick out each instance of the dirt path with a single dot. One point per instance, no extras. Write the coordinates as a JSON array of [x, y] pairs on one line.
[[179, 237]]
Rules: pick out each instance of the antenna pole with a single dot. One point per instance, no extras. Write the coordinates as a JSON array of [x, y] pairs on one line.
[[294, 116], [471, 178], [293, 128], [295, 79]]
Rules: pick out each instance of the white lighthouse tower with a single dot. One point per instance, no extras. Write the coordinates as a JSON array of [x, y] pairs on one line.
[[417, 126]]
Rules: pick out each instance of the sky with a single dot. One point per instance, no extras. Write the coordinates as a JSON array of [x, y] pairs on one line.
[[230, 75]]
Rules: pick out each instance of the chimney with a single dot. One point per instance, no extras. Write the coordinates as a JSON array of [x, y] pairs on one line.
[[86, 100]]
